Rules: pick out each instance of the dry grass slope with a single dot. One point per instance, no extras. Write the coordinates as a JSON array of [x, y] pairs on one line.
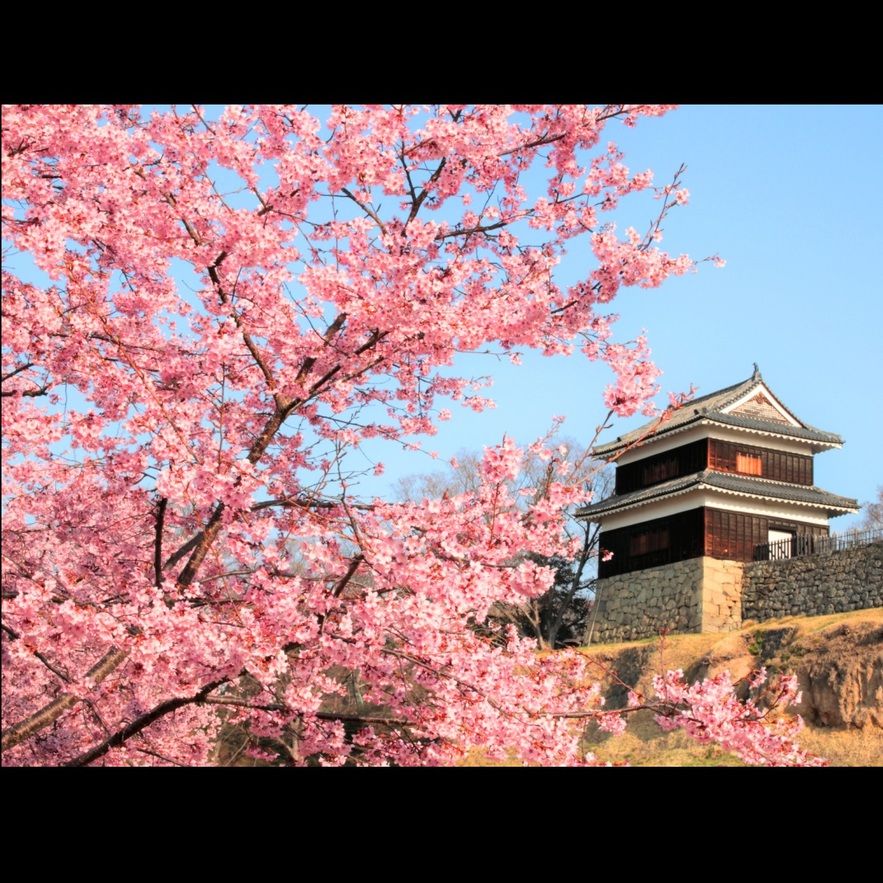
[[838, 660]]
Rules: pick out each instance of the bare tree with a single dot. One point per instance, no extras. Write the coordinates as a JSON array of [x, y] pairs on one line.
[[872, 517]]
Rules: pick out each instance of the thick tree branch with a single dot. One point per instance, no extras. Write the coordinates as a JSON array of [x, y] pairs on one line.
[[202, 542], [178, 555], [26, 393], [478, 228], [16, 371], [310, 503], [329, 335], [417, 201], [336, 591], [141, 723], [157, 544], [320, 715], [50, 713]]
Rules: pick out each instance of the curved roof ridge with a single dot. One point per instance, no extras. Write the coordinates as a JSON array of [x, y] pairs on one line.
[[737, 389], [712, 406]]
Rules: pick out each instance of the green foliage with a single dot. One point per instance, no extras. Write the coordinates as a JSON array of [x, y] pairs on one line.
[[755, 643]]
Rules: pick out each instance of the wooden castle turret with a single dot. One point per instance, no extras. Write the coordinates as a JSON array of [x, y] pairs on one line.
[[727, 476]]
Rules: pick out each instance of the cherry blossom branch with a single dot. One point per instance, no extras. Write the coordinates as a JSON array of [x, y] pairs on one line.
[[16, 371], [237, 319], [288, 502], [710, 711], [58, 672], [340, 586], [310, 503], [50, 713], [320, 715], [542, 141], [418, 199], [329, 335], [479, 228], [145, 720], [366, 209]]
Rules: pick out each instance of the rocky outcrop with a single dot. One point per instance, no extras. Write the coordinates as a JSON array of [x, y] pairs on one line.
[[841, 677]]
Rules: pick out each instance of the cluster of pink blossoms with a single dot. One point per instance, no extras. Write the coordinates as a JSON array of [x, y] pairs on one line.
[[711, 712]]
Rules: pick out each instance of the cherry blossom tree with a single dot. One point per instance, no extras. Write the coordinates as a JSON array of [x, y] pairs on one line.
[[203, 312], [561, 613]]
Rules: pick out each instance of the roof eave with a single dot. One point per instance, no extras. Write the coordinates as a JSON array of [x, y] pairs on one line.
[[832, 510], [816, 444]]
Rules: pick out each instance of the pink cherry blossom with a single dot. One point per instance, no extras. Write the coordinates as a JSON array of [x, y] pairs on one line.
[[204, 315]]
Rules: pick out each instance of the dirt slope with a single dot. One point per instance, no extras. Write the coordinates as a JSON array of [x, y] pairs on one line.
[[838, 660]]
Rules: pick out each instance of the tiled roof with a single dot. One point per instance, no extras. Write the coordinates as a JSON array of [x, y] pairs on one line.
[[739, 485], [709, 409]]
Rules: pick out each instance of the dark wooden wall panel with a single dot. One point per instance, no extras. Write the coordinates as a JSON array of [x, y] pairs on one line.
[[717, 533], [654, 542], [661, 467]]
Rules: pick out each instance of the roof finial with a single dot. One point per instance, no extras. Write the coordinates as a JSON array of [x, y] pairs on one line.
[[756, 375]]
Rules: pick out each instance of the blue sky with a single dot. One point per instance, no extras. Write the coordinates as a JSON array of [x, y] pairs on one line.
[[790, 197]]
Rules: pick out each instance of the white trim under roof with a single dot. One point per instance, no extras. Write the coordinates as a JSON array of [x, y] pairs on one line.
[[694, 498]]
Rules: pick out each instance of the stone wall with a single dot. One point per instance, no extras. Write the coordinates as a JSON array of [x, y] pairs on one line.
[[710, 595], [722, 595], [668, 598], [833, 582]]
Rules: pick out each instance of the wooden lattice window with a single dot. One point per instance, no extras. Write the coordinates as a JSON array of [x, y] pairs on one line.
[[749, 464], [776, 465], [649, 541]]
